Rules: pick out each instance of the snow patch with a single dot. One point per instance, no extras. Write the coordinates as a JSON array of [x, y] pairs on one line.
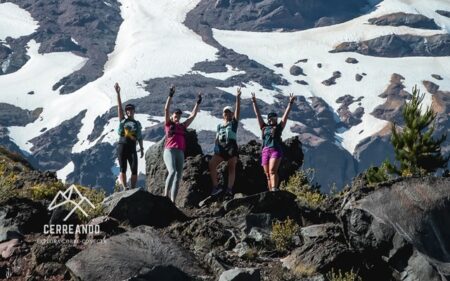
[[15, 21]]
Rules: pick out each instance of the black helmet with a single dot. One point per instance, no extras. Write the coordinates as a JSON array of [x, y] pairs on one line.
[[271, 115]]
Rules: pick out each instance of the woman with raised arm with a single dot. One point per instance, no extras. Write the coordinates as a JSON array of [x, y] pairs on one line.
[[130, 132], [272, 143], [175, 144], [226, 148]]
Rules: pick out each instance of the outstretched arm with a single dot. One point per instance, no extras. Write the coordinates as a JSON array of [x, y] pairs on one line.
[[119, 102], [194, 111], [257, 113], [167, 106], [288, 109], [238, 104]]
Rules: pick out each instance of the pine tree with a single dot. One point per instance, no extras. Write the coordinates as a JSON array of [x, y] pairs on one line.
[[414, 146]]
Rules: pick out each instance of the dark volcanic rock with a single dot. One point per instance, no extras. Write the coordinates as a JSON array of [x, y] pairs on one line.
[[281, 203], [443, 13], [301, 82], [21, 216], [404, 19], [53, 153], [93, 167], [332, 80], [135, 254], [436, 76], [296, 70], [322, 255], [273, 15], [11, 115], [396, 98], [93, 25], [196, 183], [394, 46], [347, 117], [139, 207], [351, 60], [410, 213]]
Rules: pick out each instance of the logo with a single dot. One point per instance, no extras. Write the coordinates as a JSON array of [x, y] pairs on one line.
[[71, 196]]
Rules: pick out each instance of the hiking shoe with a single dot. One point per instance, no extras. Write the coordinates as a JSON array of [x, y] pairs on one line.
[[216, 191], [229, 193]]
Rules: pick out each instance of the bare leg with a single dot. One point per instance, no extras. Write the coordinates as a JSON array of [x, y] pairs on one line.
[[232, 172], [274, 164], [123, 180], [267, 172], [213, 163]]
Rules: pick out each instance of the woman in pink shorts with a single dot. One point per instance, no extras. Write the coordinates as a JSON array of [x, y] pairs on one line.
[[272, 143]]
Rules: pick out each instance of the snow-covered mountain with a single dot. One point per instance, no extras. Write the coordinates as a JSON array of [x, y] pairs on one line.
[[352, 64]]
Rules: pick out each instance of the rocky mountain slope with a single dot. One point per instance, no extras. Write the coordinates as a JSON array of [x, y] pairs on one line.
[[395, 231], [352, 64]]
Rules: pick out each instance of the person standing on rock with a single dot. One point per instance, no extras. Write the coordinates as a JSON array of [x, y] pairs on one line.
[[175, 144], [272, 151], [130, 132], [226, 148]]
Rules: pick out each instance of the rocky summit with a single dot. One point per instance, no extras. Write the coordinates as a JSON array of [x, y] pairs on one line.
[[396, 230]]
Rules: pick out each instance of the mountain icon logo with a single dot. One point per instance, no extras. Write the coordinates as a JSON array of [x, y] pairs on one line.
[[70, 196]]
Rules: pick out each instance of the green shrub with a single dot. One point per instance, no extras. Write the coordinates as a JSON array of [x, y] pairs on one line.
[[415, 148], [283, 233], [375, 175], [45, 191], [96, 197], [343, 276], [299, 185]]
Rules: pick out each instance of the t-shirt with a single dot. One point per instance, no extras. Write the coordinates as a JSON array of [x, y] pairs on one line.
[[271, 136], [175, 136], [130, 131], [226, 133]]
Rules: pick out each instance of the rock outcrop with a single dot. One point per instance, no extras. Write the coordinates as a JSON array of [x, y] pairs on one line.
[[395, 46], [196, 182], [404, 19], [273, 15], [138, 207], [138, 253]]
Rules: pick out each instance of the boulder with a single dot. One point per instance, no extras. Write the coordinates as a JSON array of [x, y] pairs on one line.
[[140, 207], [196, 182], [405, 19], [139, 252], [296, 70], [280, 204], [411, 214], [241, 274], [156, 171], [20, 216]]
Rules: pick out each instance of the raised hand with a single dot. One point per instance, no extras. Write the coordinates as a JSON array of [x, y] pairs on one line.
[[172, 91], [199, 98], [292, 98], [117, 88], [239, 92], [253, 97]]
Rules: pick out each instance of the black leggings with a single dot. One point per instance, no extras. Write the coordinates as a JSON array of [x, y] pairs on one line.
[[125, 154]]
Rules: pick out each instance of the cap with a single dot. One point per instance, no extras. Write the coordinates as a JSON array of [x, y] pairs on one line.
[[129, 106], [228, 108], [272, 115], [178, 111]]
